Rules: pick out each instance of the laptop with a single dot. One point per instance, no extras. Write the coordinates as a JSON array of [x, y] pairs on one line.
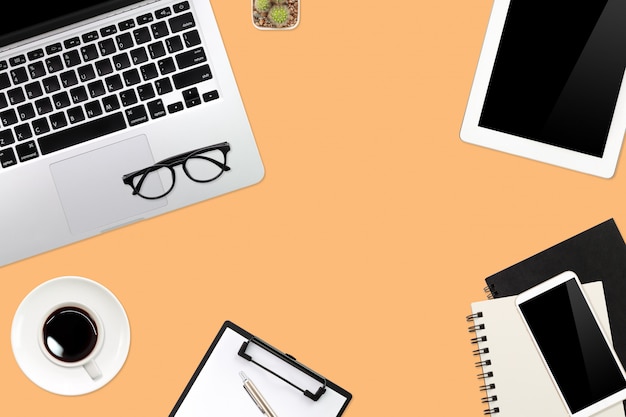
[[549, 84], [113, 111]]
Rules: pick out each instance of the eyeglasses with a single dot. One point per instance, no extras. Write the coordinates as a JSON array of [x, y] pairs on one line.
[[200, 165]]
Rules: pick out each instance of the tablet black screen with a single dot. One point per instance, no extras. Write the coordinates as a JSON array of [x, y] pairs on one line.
[[557, 73]]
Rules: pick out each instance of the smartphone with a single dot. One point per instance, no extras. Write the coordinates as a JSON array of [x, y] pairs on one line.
[[573, 346]]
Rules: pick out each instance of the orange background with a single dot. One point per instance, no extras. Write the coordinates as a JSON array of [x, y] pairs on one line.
[[363, 247]]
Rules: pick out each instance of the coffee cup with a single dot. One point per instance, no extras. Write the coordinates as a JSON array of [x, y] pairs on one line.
[[71, 335]]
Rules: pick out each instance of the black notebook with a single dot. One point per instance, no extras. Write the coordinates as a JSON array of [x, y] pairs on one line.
[[596, 254]]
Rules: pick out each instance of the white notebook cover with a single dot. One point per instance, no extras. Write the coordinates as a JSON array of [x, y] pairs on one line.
[[522, 384]]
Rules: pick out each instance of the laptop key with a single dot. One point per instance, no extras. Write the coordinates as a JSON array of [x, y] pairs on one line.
[[104, 67], [16, 95], [121, 61], [40, 126], [136, 115], [36, 54], [189, 58], [86, 73], [124, 41], [166, 65], [93, 109], [144, 18], [181, 22], [79, 94], [181, 7], [113, 83], [71, 58], [51, 84], [19, 75], [175, 107], [43, 106], [58, 120], [192, 76], [8, 117], [191, 38], [36, 69], [110, 103], [26, 111], [211, 95], [156, 108], [96, 89], [174, 44], [131, 77], [54, 48], [159, 30], [163, 86], [107, 46], [126, 24], [139, 55], [162, 13], [7, 158], [142, 35], [89, 52], [149, 71], [72, 42], [23, 132], [6, 137], [90, 36], [82, 133], [68, 78], [61, 100], [5, 81], [54, 64], [17, 60], [108, 30], [26, 151], [75, 114]]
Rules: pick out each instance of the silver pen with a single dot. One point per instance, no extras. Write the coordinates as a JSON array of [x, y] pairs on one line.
[[256, 396]]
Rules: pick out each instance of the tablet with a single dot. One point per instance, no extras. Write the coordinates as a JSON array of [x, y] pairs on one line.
[[549, 83]]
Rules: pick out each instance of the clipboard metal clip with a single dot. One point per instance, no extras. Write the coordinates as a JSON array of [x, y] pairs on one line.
[[290, 360]]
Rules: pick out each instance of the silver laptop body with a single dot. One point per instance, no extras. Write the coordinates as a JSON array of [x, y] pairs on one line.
[[90, 109]]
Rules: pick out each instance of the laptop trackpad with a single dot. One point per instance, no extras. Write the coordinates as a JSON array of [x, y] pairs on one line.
[[91, 189]]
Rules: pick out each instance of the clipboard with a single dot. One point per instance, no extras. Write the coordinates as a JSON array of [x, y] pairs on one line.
[[291, 388]]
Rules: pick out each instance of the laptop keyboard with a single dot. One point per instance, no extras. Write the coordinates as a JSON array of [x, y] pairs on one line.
[[100, 82]]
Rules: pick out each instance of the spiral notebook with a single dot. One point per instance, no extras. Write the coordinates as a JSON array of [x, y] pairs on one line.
[[289, 387], [515, 381]]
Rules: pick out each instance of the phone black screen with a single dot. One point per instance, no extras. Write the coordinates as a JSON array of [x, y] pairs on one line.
[[572, 344], [557, 73]]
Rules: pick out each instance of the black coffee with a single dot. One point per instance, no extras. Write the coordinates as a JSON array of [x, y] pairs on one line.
[[70, 334]]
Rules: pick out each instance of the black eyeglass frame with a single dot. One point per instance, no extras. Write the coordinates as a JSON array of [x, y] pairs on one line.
[[180, 159], [290, 360]]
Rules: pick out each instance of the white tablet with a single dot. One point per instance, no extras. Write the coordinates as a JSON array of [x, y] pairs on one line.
[[548, 85], [573, 346]]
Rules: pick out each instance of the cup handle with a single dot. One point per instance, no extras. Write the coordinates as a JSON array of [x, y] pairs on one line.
[[93, 370]]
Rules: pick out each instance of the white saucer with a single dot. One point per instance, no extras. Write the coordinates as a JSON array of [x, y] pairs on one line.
[[25, 328]]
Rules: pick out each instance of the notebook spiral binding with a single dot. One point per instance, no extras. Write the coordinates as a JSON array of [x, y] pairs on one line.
[[490, 291], [484, 362]]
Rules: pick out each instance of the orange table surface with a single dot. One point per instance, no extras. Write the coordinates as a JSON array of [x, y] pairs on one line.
[[364, 245]]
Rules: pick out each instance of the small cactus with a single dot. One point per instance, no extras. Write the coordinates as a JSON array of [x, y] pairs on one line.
[[279, 15], [262, 5]]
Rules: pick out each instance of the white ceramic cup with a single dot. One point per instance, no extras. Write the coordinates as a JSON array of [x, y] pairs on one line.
[[71, 335]]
